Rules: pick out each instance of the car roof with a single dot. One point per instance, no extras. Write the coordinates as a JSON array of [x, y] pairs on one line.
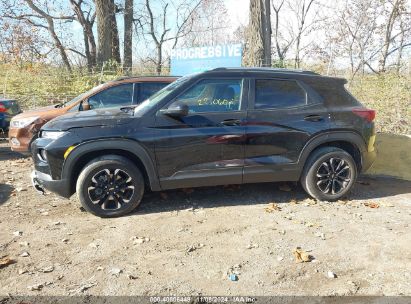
[[268, 72]]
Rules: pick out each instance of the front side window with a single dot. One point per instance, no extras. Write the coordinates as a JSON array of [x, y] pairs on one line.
[[212, 95], [273, 93], [121, 95], [149, 88]]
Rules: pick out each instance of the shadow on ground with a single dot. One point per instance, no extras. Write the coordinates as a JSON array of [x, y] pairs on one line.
[[367, 188], [5, 192], [7, 154]]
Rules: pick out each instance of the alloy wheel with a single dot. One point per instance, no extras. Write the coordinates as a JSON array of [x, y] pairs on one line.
[[111, 189], [333, 176]]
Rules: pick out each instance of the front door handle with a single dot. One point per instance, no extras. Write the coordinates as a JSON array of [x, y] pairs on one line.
[[314, 117], [231, 122]]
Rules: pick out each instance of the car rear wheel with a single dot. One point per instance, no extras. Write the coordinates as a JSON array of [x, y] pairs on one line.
[[110, 186], [329, 174]]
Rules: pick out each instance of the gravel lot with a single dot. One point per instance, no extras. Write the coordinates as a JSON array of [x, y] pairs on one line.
[[189, 242]]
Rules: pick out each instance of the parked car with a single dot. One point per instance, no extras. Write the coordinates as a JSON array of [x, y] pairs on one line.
[[121, 92], [225, 126], [8, 109]]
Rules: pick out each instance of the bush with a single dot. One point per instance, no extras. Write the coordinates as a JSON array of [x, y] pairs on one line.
[[390, 96]]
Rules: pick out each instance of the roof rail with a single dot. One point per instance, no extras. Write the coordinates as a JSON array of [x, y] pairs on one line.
[[142, 76], [266, 69]]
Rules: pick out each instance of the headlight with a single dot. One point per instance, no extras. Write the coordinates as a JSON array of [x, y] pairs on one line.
[[23, 122], [52, 134]]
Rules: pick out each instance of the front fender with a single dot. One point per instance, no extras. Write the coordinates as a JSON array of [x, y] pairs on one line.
[[126, 145]]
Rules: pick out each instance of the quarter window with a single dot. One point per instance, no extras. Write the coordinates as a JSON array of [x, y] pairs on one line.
[[121, 95], [212, 95], [272, 93]]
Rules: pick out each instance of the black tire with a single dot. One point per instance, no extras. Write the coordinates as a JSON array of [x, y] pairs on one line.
[[110, 174], [329, 185]]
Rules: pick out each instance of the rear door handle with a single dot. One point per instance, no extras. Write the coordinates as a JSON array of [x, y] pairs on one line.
[[314, 118], [231, 122]]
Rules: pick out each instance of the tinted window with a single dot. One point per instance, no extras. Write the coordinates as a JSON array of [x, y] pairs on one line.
[[148, 89], [212, 95], [270, 93], [121, 95]]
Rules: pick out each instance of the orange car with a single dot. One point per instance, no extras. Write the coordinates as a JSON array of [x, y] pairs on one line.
[[122, 92]]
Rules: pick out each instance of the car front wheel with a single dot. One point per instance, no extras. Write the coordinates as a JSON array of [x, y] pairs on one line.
[[110, 186], [329, 174]]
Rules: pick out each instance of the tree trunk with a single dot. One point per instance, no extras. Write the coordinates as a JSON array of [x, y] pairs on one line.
[[254, 52], [128, 36], [104, 31], [400, 49], [266, 29], [159, 59], [387, 36], [276, 34], [115, 42]]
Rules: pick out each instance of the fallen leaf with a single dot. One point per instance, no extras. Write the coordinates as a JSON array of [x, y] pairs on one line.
[[301, 256], [272, 207], [372, 205], [5, 261]]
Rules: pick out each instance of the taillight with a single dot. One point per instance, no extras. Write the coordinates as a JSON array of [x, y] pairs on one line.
[[2, 107], [367, 114]]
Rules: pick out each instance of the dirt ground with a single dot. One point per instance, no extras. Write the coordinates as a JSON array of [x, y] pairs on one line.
[[188, 242]]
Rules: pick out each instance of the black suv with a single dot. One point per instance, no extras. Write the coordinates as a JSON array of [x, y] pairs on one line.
[[225, 126]]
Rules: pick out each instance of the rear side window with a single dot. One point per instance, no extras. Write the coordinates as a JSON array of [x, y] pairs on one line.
[[148, 89], [274, 93], [121, 95]]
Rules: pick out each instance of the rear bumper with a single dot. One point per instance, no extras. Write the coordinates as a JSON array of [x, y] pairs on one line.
[[43, 181]]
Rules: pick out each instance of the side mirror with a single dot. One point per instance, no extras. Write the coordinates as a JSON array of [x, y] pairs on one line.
[[85, 106], [175, 111]]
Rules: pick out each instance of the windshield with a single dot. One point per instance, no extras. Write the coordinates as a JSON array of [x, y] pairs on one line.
[[81, 96], [148, 104]]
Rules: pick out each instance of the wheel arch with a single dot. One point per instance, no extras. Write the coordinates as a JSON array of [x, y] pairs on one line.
[[82, 154], [350, 142]]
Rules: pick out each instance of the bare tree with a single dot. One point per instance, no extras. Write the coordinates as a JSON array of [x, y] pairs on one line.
[[258, 44], [281, 44], [86, 17], [41, 18], [128, 36], [393, 14], [159, 29], [301, 9], [211, 26]]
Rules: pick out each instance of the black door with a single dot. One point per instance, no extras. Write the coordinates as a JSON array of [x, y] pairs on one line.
[[283, 116], [205, 147]]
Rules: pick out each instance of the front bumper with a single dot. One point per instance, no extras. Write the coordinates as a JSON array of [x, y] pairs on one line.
[[20, 139], [43, 181]]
